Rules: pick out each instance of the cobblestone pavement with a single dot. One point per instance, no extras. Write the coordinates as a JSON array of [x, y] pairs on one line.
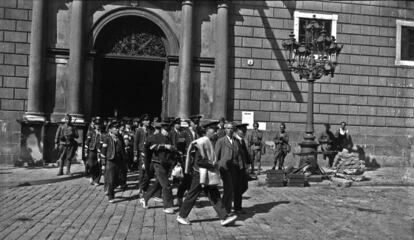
[[72, 209]]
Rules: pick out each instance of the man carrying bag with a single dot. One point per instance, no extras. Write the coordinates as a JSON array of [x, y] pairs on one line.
[[201, 165]]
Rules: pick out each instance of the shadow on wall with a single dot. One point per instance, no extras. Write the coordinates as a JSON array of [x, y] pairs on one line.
[[275, 46]]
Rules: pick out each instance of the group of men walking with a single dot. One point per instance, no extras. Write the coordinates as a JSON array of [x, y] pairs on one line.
[[204, 151], [196, 154]]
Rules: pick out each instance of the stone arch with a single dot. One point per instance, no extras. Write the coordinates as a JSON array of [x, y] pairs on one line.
[[173, 42]]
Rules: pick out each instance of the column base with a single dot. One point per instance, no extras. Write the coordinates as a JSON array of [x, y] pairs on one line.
[[34, 117]]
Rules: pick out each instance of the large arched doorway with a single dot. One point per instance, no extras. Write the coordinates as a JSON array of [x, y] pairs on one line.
[[130, 68]]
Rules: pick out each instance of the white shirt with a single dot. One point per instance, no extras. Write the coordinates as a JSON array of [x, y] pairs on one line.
[[229, 138]]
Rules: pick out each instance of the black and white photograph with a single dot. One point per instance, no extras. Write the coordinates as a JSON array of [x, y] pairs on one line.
[[206, 119]]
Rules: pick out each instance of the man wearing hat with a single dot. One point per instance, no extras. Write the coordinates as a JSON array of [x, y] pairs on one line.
[[162, 153], [92, 146], [142, 133], [66, 144], [282, 147], [113, 153], [221, 131]]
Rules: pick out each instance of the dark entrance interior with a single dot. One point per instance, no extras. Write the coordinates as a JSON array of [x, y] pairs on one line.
[[130, 87]]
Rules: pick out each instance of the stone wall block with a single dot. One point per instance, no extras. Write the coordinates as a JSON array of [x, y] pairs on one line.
[[243, 31], [15, 36], [25, 4], [6, 47], [241, 94], [14, 82], [252, 42], [250, 84], [16, 59], [269, 106], [8, 3], [20, 93], [23, 26], [6, 24], [271, 85], [249, 105], [16, 14], [290, 106], [6, 92], [261, 74], [14, 105], [261, 116], [280, 96], [261, 53], [279, 117], [23, 48], [370, 10], [6, 70], [260, 95], [22, 71], [354, 29]]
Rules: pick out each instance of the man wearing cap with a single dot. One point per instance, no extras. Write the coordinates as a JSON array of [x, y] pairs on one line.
[[92, 146], [162, 153], [113, 153], [255, 143], [221, 132], [327, 141], [175, 133], [66, 144], [227, 154], [140, 138], [201, 155]]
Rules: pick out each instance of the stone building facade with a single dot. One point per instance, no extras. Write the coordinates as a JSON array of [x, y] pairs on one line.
[[215, 58]]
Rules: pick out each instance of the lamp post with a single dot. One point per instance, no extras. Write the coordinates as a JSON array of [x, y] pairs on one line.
[[312, 58]]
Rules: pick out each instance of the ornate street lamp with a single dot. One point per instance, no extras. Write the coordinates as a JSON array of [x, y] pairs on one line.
[[312, 58]]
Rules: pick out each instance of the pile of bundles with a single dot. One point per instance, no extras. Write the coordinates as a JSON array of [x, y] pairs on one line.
[[349, 166]]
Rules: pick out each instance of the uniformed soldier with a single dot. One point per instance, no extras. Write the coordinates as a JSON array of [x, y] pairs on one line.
[[282, 147], [113, 152], [93, 146], [256, 146], [66, 144], [162, 153]]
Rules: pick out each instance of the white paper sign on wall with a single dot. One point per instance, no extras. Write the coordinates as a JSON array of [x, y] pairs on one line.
[[262, 126], [248, 117]]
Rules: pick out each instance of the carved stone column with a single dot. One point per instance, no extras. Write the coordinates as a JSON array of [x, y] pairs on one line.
[[36, 86], [186, 59], [221, 63], [76, 60]]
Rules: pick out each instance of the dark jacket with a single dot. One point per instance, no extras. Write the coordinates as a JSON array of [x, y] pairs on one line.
[[113, 149], [226, 152], [157, 152], [188, 136], [93, 140], [243, 157], [140, 138]]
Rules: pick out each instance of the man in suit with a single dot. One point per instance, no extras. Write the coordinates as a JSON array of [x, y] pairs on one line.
[[142, 133], [227, 154], [113, 154]]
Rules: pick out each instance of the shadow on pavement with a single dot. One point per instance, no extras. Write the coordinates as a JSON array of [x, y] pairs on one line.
[[52, 180], [259, 208]]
